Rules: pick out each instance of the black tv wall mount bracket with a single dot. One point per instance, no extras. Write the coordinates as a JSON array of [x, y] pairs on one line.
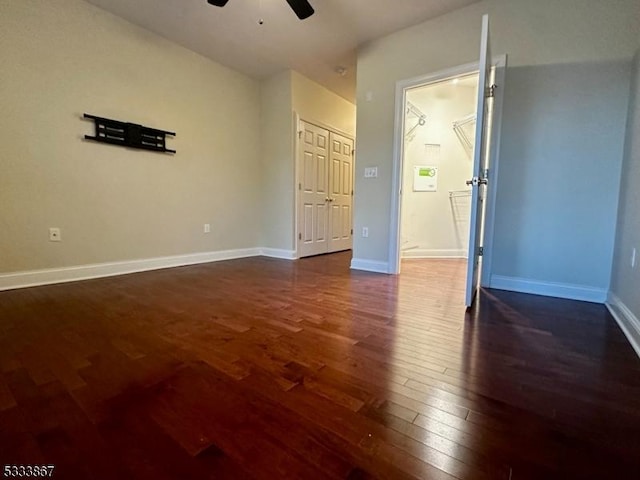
[[129, 135]]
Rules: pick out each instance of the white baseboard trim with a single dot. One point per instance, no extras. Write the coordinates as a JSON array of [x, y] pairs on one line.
[[433, 253], [278, 253], [628, 322], [32, 278], [369, 265], [549, 289]]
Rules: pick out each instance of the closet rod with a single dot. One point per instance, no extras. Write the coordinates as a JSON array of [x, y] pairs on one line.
[[411, 108]]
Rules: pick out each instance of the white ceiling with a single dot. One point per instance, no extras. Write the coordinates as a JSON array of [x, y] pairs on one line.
[[314, 47]]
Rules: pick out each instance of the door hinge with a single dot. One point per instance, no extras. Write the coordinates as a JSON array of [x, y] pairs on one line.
[[491, 91], [352, 231], [353, 152], [480, 251], [300, 186], [300, 236]]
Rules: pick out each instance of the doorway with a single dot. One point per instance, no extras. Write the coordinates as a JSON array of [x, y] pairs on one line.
[[440, 123], [325, 190], [439, 139], [485, 160]]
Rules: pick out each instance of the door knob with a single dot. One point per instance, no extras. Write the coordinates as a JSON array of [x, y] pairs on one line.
[[331, 200], [477, 181]]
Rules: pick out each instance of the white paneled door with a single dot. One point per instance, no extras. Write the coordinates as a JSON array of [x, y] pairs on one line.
[[325, 187], [313, 186], [479, 181], [340, 192]]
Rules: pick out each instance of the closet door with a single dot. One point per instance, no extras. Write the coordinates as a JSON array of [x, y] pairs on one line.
[[482, 149], [340, 192], [313, 185]]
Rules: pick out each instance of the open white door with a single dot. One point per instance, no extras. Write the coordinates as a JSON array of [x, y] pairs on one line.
[[480, 159]]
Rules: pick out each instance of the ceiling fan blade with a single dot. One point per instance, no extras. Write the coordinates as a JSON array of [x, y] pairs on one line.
[[218, 3], [302, 8]]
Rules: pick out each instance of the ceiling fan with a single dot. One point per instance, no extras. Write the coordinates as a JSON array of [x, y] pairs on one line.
[[302, 8]]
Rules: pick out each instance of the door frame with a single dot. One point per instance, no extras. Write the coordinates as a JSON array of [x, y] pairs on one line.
[[297, 127], [499, 62]]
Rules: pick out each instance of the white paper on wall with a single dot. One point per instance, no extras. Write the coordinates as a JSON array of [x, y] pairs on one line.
[[425, 178], [432, 153]]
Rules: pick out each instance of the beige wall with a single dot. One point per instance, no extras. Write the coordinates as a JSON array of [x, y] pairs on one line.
[[312, 102], [565, 106], [61, 59], [276, 202]]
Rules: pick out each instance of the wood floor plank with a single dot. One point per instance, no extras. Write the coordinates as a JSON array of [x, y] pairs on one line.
[[262, 368], [7, 399]]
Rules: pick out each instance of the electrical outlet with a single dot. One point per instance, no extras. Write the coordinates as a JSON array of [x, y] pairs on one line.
[[365, 232], [633, 258], [207, 228], [55, 235]]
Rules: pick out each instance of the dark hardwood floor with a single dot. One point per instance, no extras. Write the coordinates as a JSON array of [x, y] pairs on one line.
[[268, 369]]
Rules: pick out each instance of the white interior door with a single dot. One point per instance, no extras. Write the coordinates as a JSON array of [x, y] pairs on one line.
[[479, 182], [313, 185], [340, 192]]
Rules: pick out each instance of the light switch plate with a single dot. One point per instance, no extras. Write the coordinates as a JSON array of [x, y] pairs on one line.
[[371, 172]]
